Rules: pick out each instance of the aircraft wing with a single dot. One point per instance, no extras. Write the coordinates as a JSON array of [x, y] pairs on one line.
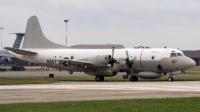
[[75, 62], [20, 51]]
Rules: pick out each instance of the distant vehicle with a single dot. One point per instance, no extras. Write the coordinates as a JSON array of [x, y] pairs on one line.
[[17, 68]]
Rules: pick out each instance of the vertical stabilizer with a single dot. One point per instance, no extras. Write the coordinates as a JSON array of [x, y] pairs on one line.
[[18, 40], [34, 37]]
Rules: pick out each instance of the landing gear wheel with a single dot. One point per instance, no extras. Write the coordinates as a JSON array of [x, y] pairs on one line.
[[170, 79], [99, 78], [133, 78]]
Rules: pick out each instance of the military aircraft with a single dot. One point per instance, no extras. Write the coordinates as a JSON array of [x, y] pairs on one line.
[[100, 60], [5, 57]]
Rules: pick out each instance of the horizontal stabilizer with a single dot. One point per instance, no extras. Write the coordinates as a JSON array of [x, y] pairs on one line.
[[19, 51], [18, 33]]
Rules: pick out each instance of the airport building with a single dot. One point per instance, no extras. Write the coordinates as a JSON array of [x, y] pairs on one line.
[[195, 55]]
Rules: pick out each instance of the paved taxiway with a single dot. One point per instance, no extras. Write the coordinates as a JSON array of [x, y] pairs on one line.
[[58, 73], [70, 91]]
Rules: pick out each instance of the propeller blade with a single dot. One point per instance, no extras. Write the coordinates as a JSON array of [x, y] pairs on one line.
[[113, 52], [111, 70], [129, 63], [127, 55]]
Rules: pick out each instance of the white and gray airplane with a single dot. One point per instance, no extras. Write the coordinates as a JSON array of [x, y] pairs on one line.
[[100, 60], [5, 57]]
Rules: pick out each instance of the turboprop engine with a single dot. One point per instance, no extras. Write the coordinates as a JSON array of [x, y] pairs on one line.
[[99, 60], [8, 60], [149, 75]]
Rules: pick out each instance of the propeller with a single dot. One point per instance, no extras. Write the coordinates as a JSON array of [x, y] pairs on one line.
[[112, 60], [129, 62], [65, 63]]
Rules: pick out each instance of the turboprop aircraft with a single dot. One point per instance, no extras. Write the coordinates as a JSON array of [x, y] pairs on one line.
[[100, 60]]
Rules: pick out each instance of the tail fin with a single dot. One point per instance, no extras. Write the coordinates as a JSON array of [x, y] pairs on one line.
[[18, 40], [34, 37]]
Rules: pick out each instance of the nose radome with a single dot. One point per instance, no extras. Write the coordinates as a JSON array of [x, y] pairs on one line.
[[192, 63]]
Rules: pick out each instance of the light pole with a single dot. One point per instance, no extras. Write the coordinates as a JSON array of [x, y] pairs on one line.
[[1, 36], [66, 28]]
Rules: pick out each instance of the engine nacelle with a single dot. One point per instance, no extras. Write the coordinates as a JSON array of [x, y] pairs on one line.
[[98, 60], [8, 60], [149, 75], [121, 63]]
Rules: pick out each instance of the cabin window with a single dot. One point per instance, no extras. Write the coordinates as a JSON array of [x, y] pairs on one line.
[[173, 55], [72, 57], [179, 54], [152, 57]]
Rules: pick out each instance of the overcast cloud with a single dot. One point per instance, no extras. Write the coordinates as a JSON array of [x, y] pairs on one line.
[[154, 23]]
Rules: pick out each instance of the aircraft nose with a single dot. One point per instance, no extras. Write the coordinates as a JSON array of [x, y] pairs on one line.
[[189, 63]]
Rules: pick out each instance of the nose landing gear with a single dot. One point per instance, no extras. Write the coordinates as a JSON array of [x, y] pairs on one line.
[[170, 79]]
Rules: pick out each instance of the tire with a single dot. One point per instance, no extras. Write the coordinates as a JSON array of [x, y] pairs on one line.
[[98, 78], [133, 78], [170, 79]]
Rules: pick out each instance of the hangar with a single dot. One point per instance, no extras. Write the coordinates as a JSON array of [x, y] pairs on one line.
[[195, 55]]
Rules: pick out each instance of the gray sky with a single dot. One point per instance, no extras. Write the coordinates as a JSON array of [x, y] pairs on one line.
[[154, 23]]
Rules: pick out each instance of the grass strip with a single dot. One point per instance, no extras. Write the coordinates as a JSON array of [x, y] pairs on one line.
[[124, 105], [194, 69]]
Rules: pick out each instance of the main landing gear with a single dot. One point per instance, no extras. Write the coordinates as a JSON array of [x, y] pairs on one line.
[[99, 78], [133, 78], [170, 78]]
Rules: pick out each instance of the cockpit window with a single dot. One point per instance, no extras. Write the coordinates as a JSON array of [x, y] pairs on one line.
[[173, 55], [179, 54]]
